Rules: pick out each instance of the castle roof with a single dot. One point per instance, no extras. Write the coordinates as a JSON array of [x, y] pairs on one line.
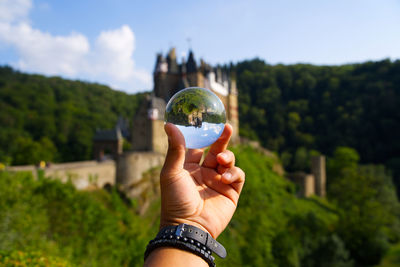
[[218, 79], [108, 135]]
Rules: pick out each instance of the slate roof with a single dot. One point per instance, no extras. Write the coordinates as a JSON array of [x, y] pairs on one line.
[[191, 64], [108, 135]]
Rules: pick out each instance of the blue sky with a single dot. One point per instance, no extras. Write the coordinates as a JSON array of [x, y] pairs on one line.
[[115, 42]]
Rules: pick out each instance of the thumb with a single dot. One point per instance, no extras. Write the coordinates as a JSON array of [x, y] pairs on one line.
[[176, 151]]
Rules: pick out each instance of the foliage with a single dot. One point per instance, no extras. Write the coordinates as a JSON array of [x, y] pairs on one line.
[[392, 258], [27, 259], [272, 227], [288, 107], [298, 110], [53, 119], [369, 210], [84, 228]]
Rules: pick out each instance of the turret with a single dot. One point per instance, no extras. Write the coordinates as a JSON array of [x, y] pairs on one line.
[[161, 64], [160, 77], [171, 60], [233, 108], [191, 64]]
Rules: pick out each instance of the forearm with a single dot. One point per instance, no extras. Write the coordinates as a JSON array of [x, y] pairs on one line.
[[167, 256]]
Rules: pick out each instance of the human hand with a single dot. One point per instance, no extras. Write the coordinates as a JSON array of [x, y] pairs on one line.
[[204, 195]]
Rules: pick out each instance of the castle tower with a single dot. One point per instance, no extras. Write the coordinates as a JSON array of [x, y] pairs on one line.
[[318, 169], [233, 111], [148, 125], [166, 76], [169, 78], [160, 77]]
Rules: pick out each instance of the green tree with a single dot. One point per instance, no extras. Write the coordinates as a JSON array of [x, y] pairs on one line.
[[368, 221]]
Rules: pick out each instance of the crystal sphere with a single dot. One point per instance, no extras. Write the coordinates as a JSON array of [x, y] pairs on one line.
[[199, 114]]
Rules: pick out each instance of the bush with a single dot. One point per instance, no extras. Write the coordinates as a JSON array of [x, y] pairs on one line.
[[85, 228], [27, 259]]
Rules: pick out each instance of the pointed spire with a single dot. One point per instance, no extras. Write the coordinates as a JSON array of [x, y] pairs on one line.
[[191, 64], [171, 60]]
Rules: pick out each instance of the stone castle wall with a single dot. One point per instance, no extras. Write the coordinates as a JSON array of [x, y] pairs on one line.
[[314, 183], [160, 143], [132, 165], [26, 168], [127, 172], [83, 174]]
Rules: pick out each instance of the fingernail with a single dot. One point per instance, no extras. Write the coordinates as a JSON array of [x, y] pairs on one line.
[[167, 130], [224, 156], [227, 176]]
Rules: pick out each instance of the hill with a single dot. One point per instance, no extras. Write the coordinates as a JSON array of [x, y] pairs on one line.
[[48, 219], [301, 109], [53, 119], [295, 110]]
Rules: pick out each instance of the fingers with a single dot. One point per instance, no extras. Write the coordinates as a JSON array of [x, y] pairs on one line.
[[234, 177], [194, 155], [226, 158], [222, 142], [225, 161], [175, 157], [230, 183], [219, 146]]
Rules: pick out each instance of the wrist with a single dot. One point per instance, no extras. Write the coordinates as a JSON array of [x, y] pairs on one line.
[[170, 256], [190, 238], [165, 223]]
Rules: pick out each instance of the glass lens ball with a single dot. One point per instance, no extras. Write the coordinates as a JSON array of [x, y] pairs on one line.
[[199, 114]]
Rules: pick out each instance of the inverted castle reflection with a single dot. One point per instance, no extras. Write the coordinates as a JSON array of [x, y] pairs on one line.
[[199, 114]]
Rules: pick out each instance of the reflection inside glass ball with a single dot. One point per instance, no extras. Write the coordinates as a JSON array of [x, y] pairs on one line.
[[199, 114]]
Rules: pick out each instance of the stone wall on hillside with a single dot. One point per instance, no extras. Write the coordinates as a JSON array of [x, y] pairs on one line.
[[83, 174], [136, 174], [314, 183], [132, 165], [26, 168]]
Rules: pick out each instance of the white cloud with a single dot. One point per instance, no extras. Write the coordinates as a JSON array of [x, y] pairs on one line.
[[113, 56], [42, 52], [109, 60], [12, 10]]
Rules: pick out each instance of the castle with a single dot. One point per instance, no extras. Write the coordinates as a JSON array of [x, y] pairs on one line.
[[170, 77]]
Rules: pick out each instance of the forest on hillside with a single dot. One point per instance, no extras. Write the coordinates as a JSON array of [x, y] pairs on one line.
[[346, 112], [295, 110], [44, 220], [301, 110], [53, 119]]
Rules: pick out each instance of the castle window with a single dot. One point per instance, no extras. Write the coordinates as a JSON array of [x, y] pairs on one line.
[[152, 113]]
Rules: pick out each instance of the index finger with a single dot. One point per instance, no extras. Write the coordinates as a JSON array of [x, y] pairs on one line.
[[219, 146]]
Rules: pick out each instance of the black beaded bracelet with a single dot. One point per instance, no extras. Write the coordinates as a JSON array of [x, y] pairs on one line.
[[189, 238], [156, 243]]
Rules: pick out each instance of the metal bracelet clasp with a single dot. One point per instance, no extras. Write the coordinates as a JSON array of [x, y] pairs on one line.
[[180, 229]]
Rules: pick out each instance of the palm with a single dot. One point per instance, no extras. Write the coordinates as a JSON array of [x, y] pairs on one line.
[[196, 193]]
